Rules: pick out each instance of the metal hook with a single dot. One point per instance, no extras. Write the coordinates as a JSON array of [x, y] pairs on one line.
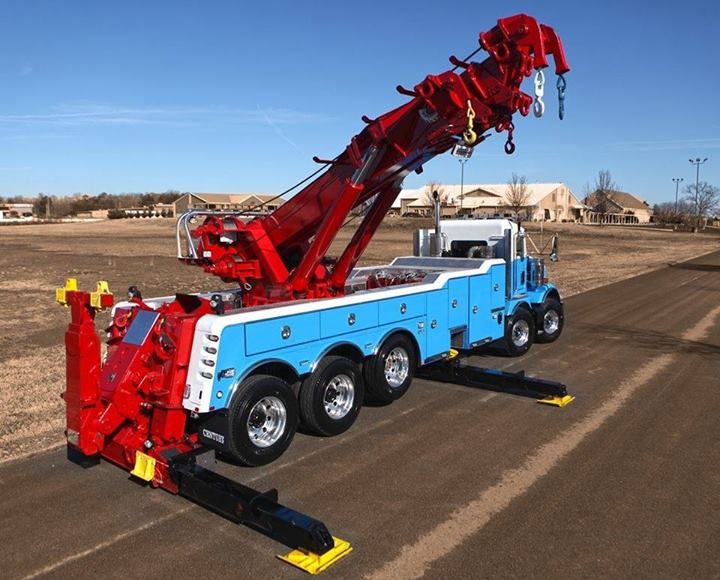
[[539, 105], [509, 145], [469, 135], [561, 86]]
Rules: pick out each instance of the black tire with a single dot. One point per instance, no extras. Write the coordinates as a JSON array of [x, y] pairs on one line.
[[247, 415], [402, 363], [519, 332], [550, 321], [331, 396]]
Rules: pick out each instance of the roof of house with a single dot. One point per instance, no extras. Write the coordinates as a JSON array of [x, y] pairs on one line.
[[232, 198], [475, 195], [11, 206], [622, 199]]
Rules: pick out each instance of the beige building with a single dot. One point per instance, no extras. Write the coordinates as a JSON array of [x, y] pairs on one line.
[[621, 208], [93, 214], [226, 202], [16, 211], [545, 201]]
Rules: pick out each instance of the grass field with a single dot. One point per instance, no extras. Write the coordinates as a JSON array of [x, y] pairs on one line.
[[34, 260]]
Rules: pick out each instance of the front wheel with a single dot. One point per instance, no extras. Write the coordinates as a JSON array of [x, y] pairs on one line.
[[551, 319], [389, 373], [519, 332], [263, 417]]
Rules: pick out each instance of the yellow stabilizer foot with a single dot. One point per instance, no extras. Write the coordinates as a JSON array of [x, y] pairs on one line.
[[316, 563], [96, 298], [71, 285], [144, 466], [557, 401]]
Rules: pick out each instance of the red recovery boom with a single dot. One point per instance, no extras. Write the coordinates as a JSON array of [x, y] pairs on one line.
[[282, 256]]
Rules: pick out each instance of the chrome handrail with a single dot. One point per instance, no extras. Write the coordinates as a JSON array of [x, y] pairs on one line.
[[183, 226]]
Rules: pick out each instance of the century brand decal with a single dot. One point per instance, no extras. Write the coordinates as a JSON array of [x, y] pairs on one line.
[[213, 436]]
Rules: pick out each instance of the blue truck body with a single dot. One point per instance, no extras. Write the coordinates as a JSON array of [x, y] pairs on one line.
[[461, 303]]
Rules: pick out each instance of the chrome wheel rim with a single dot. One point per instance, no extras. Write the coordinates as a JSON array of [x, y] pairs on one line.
[[551, 322], [266, 422], [397, 367], [520, 333], [339, 396]]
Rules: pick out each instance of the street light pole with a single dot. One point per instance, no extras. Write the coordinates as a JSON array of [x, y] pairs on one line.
[[462, 182], [463, 153], [677, 181], [697, 162]]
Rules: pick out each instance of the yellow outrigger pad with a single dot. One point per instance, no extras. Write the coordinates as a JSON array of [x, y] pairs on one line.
[[71, 285], [557, 401], [144, 466], [316, 563], [96, 297]]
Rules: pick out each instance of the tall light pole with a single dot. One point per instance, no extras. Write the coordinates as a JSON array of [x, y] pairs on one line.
[[697, 162], [462, 181], [463, 153], [677, 181]]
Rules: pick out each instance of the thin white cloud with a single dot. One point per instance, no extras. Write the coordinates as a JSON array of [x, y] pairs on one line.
[[15, 167], [278, 131], [668, 144], [89, 114]]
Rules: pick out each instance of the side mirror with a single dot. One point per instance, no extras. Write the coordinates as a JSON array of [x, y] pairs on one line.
[[554, 257]]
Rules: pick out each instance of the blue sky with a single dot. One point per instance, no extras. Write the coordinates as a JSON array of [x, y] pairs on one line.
[[238, 96]]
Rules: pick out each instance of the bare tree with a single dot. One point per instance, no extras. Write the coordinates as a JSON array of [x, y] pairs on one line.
[[671, 214], [600, 198], [428, 195], [518, 194], [704, 199]]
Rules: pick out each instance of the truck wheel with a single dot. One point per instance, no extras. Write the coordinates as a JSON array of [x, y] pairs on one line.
[[262, 420], [519, 332], [331, 397], [389, 373], [551, 320]]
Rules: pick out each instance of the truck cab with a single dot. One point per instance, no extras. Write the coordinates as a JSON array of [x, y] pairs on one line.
[[524, 277]]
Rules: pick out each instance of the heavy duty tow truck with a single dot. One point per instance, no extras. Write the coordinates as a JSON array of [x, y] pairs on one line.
[[302, 338]]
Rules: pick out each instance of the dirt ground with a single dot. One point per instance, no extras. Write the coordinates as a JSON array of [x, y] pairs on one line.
[[34, 260]]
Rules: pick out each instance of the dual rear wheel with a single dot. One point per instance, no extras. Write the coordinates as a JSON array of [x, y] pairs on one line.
[[265, 412]]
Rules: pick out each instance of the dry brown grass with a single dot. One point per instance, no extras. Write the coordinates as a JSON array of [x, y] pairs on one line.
[[36, 259]]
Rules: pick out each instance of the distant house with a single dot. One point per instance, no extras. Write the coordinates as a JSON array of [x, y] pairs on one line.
[[93, 214], [226, 202], [16, 212], [620, 208], [165, 209], [545, 201]]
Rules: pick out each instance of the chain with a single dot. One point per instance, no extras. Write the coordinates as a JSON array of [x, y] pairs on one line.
[[561, 86], [469, 135], [539, 105], [509, 145]]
